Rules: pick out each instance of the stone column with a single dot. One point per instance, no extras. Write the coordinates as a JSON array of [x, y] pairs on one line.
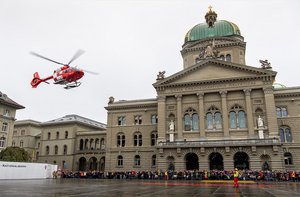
[[179, 118], [249, 112], [161, 115], [201, 114], [271, 112], [225, 113]]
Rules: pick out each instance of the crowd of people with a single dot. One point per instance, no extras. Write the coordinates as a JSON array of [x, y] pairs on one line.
[[266, 175]]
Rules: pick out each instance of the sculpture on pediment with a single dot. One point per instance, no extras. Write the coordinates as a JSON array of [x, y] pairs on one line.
[[209, 52], [265, 64], [161, 75]]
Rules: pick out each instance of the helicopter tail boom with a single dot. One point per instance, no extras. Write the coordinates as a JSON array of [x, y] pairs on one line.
[[37, 80]]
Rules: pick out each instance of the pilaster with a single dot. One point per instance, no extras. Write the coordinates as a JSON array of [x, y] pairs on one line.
[[201, 114], [249, 112], [225, 113], [271, 112], [179, 117], [161, 114]]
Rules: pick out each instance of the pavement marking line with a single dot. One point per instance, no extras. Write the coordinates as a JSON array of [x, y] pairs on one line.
[[226, 181]]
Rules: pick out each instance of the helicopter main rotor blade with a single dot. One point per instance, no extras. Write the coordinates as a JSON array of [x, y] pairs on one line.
[[76, 55], [90, 72], [40, 56]]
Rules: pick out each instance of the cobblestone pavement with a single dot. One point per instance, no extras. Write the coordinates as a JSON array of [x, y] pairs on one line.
[[144, 188]]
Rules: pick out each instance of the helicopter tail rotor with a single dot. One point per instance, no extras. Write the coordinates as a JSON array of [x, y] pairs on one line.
[[36, 80]]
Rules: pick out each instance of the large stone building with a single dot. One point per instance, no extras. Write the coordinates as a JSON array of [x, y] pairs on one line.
[[215, 113], [8, 109], [72, 142]]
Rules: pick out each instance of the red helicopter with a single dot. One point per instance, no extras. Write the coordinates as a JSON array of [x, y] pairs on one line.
[[65, 75]]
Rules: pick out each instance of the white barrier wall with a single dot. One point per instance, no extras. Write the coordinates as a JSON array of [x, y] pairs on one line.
[[22, 170]]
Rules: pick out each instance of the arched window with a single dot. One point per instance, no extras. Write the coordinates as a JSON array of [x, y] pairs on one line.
[[102, 144], [91, 144], [81, 144], [228, 58], [65, 149], [21, 144], [57, 135], [47, 150], [55, 149], [288, 158], [137, 139], [222, 57], [154, 138], [153, 161], [86, 144], [281, 112], [120, 161], [137, 160], [49, 135], [97, 144], [213, 118], [285, 134], [2, 142], [120, 140], [191, 120], [66, 134], [237, 117]]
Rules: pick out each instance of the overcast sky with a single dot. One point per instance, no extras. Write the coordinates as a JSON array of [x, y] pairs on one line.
[[128, 43]]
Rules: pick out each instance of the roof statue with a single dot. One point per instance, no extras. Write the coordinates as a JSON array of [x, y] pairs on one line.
[[265, 64], [161, 75], [210, 17], [111, 100]]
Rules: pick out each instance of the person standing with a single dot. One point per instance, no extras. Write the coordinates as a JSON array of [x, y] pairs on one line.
[[235, 178]]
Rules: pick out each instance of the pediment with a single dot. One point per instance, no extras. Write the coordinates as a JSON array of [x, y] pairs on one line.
[[214, 70]]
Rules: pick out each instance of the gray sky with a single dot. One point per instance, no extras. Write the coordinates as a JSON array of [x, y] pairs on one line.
[[127, 42]]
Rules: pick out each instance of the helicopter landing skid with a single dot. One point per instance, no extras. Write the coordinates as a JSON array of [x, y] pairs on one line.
[[72, 85]]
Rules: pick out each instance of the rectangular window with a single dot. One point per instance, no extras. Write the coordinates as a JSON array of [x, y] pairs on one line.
[[138, 120], [6, 113], [2, 142], [4, 126], [154, 119], [121, 120]]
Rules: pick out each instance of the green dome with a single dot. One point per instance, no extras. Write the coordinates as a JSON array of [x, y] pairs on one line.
[[220, 28], [278, 86]]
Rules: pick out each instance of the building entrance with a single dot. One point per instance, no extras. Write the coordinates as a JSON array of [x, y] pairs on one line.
[[82, 164], [241, 160], [192, 161], [216, 161]]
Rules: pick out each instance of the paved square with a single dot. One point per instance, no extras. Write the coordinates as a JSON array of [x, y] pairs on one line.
[[107, 187]]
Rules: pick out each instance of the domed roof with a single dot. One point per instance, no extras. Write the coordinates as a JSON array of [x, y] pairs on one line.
[[278, 86], [219, 28]]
